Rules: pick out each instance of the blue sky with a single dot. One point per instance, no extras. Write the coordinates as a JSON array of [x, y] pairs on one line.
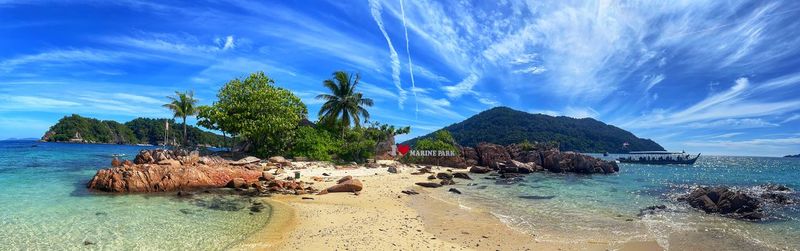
[[720, 77]]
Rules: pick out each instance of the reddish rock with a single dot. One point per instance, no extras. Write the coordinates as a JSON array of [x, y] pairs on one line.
[[479, 169], [350, 185], [428, 184], [343, 179], [115, 162], [236, 183], [127, 163]]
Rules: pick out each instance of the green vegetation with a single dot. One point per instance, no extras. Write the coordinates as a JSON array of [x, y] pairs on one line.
[[314, 144], [344, 103], [503, 125], [140, 130], [261, 113], [441, 140], [182, 105]]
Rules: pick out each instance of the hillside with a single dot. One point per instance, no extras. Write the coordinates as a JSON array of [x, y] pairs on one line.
[[137, 131], [503, 125], [792, 156]]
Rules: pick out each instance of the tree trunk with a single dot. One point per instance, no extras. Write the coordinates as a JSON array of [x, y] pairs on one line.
[[185, 140]]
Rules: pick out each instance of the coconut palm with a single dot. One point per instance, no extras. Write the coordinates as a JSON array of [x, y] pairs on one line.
[[182, 105], [344, 102]]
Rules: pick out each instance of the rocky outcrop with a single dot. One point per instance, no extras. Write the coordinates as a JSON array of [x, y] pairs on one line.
[[479, 169], [167, 170], [725, 201], [345, 185], [470, 156], [558, 162], [491, 154]]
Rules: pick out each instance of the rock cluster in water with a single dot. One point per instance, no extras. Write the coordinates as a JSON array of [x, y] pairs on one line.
[[746, 204], [179, 170], [514, 159]]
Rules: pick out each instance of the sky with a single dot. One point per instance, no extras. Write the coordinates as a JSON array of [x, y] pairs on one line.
[[718, 77]]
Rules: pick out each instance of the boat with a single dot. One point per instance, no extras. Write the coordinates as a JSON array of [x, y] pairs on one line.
[[659, 158]]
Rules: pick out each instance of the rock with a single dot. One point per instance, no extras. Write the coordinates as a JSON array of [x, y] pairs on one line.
[[409, 192], [144, 157], [237, 183], [343, 179], [115, 162], [127, 163], [651, 210], [479, 169], [431, 177], [724, 201], [490, 154], [461, 176], [245, 161], [350, 185], [428, 184], [143, 176], [776, 188], [372, 165], [470, 156], [307, 198], [267, 176], [444, 176], [277, 159], [447, 182], [558, 162], [453, 190], [88, 242], [392, 169]]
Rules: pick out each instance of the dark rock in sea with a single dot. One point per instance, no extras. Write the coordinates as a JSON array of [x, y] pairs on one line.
[[88, 242], [447, 182], [481, 187], [725, 201], [444, 176], [776, 188], [559, 162], [428, 184], [479, 169], [651, 210], [184, 194], [536, 197], [100, 214], [185, 211], [453, 190], [461, 176], [256, 208]]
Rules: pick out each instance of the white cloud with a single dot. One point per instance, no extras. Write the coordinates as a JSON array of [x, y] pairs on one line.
[[791, 118], [229, 44], [375, 10], [37, 102], [534, 70], [462, 88], [63, 57], [581, 112], [733, 124], [652, 81], [138, 98], [726, 135]]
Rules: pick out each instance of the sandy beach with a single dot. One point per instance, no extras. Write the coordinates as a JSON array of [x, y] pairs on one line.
[[382, 218]]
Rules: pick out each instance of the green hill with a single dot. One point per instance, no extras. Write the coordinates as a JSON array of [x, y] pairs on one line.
[[137, 131], [503, 125]]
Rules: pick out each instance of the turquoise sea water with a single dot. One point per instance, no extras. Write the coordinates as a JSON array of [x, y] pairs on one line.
[[44, 205], [580, 208]]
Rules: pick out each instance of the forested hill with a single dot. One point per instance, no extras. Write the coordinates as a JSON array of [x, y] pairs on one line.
[[503, 125], [137, 131]]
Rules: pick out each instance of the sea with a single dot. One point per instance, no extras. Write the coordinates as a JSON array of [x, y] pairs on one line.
[[45, 205], [606, 208]]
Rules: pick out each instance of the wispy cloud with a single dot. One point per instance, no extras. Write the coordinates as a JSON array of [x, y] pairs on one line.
[[375, 10], [463, 87]]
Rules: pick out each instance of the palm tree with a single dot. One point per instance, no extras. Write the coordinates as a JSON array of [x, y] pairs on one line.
[[183, 105], [344, 102]]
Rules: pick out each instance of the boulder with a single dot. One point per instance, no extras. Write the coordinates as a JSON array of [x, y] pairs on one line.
[[170, 162], [558, 162], [265, 175], [470, 156], [392, 169], [237, 183], [453, 190], [127, 163], [428, 184], [349, 185], [490, 154], [447, 182], [144, 157], [245, 161], [444, 176], [343, 179], [432, 177], [479, 169], [461, 176]]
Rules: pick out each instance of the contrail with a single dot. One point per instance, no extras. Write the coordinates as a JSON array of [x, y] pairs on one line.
[[410, 63], [375, 8]]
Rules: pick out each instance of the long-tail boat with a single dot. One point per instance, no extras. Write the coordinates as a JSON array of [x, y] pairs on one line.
[[659, 158]]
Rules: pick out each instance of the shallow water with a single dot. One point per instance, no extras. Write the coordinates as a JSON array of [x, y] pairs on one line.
[[44, 204], [580, 208]]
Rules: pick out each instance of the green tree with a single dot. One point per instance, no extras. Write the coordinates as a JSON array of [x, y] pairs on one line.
[[260, 112], [344, 103], [315, 144], [182, 105]]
